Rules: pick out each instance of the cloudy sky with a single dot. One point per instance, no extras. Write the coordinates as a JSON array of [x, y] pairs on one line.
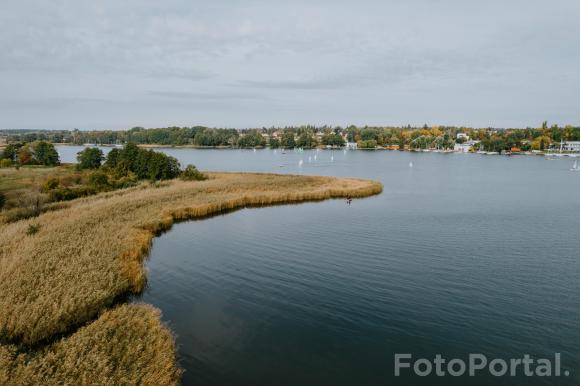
[[117, 64]]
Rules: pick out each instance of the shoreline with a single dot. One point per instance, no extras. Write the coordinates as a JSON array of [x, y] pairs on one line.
[[435, 151], [97, 246]]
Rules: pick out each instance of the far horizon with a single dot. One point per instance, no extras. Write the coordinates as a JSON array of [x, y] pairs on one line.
[[268, 127]]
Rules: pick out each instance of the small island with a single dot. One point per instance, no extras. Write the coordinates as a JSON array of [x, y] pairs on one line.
[[68, 267]]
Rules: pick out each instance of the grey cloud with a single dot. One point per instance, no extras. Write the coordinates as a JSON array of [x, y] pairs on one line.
[[375, 62], [206, 96], [312, 84]]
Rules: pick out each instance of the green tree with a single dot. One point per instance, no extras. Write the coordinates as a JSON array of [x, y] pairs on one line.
[[306, 140], [251, 139], [11, 151], [367, 144], [401, 142], [90, 158], [368, 134], [274, 143], [160, 166], [287, 140], [45, 153], [333, 139], [351, 133], [112, 158]]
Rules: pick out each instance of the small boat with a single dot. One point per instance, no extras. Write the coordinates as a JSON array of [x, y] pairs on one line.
[[575, 168]]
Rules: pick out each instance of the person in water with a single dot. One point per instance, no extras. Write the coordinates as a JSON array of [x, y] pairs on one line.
[[348, 200]]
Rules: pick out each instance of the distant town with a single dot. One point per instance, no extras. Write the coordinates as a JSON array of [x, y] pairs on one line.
[[541, 140]]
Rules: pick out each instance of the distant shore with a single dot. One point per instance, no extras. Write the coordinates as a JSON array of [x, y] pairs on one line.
[[197, 147]]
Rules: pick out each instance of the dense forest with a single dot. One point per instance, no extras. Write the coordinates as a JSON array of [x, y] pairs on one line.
[[425, 137]]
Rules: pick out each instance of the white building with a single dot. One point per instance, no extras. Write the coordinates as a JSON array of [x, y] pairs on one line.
[[465, 147], [351, 145], [571, 146], [463, 135]]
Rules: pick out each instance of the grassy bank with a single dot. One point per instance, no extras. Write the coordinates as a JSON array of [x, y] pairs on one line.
[[84, 257]]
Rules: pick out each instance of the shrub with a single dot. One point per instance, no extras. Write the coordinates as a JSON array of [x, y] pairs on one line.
[[32, 229], [192, 174], [28, 205], [50, 184], [2, 200], [99, 180], [125, 182], [5, 163], [69, 180], [18, 214], [66, 194]]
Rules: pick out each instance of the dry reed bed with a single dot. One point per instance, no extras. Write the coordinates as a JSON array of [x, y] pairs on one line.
[[125, 346], [88, 255]]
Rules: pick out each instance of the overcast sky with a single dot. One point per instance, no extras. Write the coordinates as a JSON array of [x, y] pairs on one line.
[[117, 64]]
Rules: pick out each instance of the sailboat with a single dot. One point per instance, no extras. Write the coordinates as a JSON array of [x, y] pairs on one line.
[[575, 168]]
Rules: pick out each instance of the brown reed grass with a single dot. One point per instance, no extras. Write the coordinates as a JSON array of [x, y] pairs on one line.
[[126, 345], [86, 256]]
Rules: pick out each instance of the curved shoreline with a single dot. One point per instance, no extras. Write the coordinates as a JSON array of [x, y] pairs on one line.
[[96, 231]]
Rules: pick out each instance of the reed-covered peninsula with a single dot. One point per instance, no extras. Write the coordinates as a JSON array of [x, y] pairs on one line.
[[62, 286]]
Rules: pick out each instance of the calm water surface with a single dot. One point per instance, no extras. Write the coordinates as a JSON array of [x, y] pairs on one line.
[[460, 254]]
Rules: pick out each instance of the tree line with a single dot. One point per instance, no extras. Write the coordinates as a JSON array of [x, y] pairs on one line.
[[34, 153], [120, 168], [425, 137]]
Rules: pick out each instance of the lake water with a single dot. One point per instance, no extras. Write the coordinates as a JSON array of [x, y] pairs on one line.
[[460, 254]]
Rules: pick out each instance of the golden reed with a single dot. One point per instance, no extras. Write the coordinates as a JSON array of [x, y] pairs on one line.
[[60, 285]]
